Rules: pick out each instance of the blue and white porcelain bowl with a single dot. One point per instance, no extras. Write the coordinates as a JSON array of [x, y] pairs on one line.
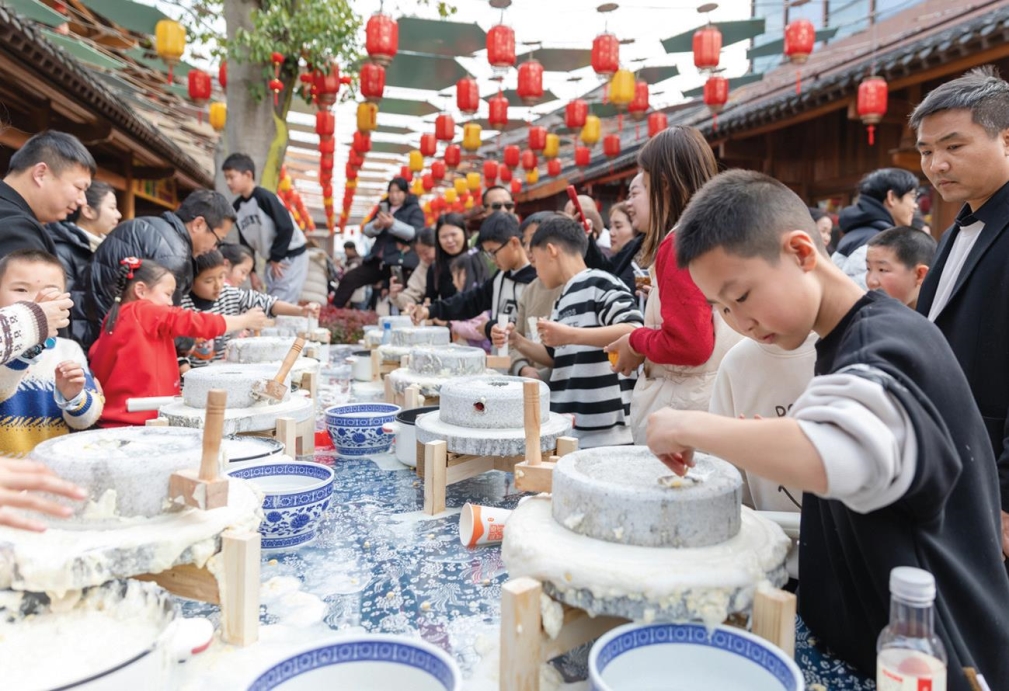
[[356, 428], [297, 495], [364, 663], [688, 656]]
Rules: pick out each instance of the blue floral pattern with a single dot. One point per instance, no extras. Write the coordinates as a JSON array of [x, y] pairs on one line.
[[356, 429]]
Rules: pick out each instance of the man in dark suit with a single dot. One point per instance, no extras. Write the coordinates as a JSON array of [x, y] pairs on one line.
[[963, 137], [45, 182]]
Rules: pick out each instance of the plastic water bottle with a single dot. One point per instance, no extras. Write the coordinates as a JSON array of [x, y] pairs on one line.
[[386, 333], [909, 656]]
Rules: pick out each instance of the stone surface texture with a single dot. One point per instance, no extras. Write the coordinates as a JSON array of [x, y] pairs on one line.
[[420, 335], [448, 360], [258, 350], [262, 417], [238, 380], [615, 494], [489, 442], [489, 403]]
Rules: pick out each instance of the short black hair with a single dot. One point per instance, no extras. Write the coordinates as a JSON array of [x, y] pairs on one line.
[[95, 196], [234, 253], [877, 183], [241, 163], [536, 219], [58, 150], [30, 256], [498, 227], [213, 259], [425, 237], [213, 206], [562, 232], [981, 91], [473, 266], [497, 187], [399, 182], [349, 243], [911, 246], [744, 213]]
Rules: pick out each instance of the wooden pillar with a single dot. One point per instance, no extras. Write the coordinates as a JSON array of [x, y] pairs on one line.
[[127, 203]]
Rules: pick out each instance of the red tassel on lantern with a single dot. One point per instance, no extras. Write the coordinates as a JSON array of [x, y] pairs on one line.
[[800, 37], [873, 93]]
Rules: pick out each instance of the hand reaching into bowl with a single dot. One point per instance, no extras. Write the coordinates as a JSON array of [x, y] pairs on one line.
[[21, 485]]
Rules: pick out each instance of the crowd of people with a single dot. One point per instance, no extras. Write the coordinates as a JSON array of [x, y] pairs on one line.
[[857, 374]]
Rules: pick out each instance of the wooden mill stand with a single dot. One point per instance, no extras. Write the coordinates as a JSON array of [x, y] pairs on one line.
[[495, 362], [439, 467]]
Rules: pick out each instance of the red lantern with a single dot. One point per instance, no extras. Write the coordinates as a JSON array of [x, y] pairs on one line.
[[716, 94], [605, 55], [453, 156], [511, 156], [327, 190], [381, 38], [611, 145], [467, 96], [222, 75], [276, 86], [516, 186], [406, 173], [498, 117], [277, 59], [327, 146], [575, 113], [325, 86], [639, 106], [537, 138], [490, 170], [325, 124], [583, 155], [707, 47], [372, 81], [428, 144], [800, 36], [501, 47], [438, 170], [361, 142], [872, 98], [199, 86], [444, 128], [530, 88], [427, 180], [355, 159], [554, 167], [504, 174], [657, 122], [529, 160], [350, 173], [326, 162]]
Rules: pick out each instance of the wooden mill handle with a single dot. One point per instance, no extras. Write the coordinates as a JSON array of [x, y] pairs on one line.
[[531, 410], [213, 430], [288, 362]]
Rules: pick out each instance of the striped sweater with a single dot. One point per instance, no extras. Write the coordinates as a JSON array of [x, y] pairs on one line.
[[22, 326], [232, 302], [32, 410], [582, 382]]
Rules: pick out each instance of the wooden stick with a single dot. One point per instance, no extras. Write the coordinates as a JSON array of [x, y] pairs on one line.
[[240, 594], [289, 360], [566, 445], [435, 471], [287, 434], [205, 489], [531, 407], [521, 637], [774, 618], [376, 365], [213, 431]]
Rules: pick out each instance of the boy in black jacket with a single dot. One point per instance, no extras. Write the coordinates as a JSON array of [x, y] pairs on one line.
[[886, 442], [500, 238]]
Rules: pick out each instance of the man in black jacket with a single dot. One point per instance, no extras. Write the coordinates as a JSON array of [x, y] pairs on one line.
[[46, 181], [963, 138], [172, 240]]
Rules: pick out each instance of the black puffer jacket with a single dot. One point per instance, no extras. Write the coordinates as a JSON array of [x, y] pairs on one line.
[[410, 219], [74, 252], [861, 221], [163, 239]]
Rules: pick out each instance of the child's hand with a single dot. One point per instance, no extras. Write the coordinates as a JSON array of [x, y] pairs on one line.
[[499, 336], [312, 309], [255, 319], [627, 360], [69, 379], [56, 306], [395, 287], [665, 439], [553, 335], [418, 313], [20, 485], [529, 372]]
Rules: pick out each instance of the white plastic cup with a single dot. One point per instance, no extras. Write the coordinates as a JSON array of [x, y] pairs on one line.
[[533, 329], [502, 321], [481, 525]]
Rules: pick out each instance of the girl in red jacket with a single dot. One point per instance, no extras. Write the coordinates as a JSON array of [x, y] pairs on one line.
[[135, 355]]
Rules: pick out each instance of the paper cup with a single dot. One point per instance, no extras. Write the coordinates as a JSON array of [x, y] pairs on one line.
[[502, 321], [532, 330], [481, 525]]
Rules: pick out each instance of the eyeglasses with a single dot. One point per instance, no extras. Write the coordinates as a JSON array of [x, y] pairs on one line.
[[497, 206], [493, 253], [218, 238]]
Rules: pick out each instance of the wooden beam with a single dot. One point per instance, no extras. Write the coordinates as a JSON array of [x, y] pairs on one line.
[[751, 148], [153, 172], [89, 133]]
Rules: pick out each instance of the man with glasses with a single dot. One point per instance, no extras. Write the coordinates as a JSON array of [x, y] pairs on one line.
[[172, 239], [498, 198]]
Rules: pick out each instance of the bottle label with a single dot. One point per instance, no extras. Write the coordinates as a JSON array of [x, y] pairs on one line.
[[901, 669]]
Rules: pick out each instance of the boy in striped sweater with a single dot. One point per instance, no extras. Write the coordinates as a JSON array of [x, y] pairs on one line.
[[211, 293], [593, 306], [47, 390]]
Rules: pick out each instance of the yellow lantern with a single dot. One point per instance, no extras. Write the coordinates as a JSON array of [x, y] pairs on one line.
[[328, 200], [553, 146], [285, 184], [622, 88], [460, 185], [469, 204], [591, 130], [367, 116], [451, 196], [170, 42], [473, 181], [427, 207], [532, 176], [218, 115], [471, 136], [351, 184], [417, 186], [416, 162]]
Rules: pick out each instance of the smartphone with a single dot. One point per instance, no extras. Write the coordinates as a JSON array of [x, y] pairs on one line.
[[573, 196], [383, 206], [397, 273]]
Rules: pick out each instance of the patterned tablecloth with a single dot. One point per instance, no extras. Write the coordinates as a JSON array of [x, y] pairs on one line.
[[380, 565]]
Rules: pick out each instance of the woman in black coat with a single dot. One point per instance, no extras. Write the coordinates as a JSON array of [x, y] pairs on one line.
[[450, 242]]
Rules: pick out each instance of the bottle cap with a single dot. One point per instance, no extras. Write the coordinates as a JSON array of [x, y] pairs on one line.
[[912, 585]]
